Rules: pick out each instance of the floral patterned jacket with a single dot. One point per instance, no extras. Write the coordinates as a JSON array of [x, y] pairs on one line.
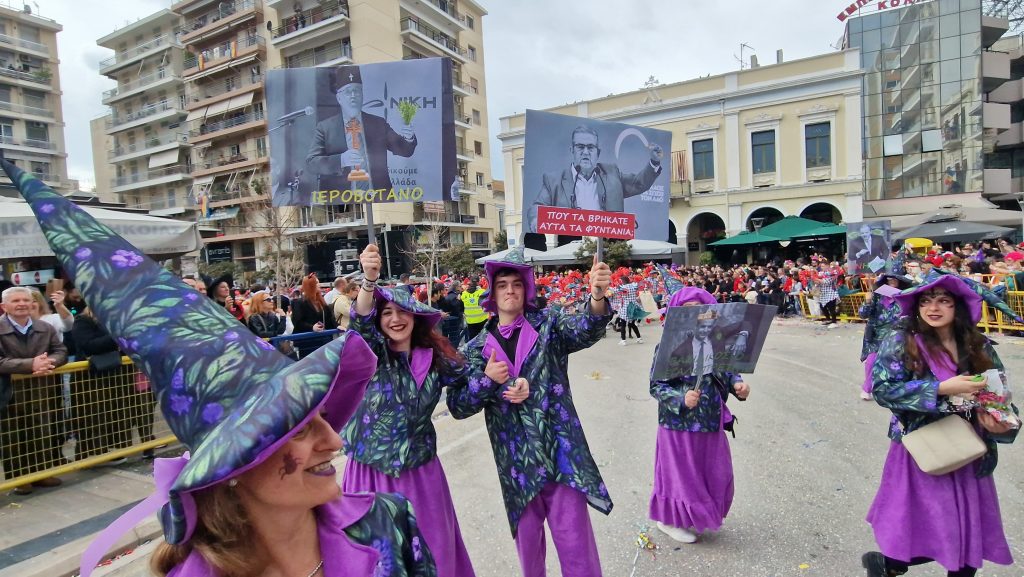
[[706, 417], [882, 315], [391, 430], [540, 440], [362, 535], [915, 402]]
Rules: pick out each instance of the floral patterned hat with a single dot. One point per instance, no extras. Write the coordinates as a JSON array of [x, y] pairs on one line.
[[907, 300], [515, 259], [228, 395], [405, 301]]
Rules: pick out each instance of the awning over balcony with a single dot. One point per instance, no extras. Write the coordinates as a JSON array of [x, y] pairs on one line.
[[240, 101], [163, 158], [219, 67], [218, 108], [196, 114]]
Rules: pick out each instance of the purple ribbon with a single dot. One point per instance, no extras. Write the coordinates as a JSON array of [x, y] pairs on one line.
[[507, 330], [165, 473]]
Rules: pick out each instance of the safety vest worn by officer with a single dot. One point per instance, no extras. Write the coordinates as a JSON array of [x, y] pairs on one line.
[[471, 302]]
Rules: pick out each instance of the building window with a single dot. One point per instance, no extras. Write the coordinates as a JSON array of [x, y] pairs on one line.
[[478, 147], [763, 151], [818, 138], [474, 85], [37, 131], [470, 22], [479, 238], [5, 94], [892, 145], [471, 53], [479, 179], [458, 237], [931, 140], [476, 117], [481, 210], [703, 159]]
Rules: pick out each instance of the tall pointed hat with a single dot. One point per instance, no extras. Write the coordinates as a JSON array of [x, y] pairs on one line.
[[514, 259], [229, 396]]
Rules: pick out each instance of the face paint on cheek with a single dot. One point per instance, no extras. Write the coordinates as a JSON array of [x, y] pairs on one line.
[[291, 464]]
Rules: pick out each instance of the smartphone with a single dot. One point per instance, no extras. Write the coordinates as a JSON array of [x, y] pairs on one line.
[[53, 285]]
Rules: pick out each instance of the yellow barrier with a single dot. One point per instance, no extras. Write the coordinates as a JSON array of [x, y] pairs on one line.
[[848, 307], [75, 418]]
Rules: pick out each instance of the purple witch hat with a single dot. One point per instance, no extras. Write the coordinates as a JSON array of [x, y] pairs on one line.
[[229, 396], [515, 259]]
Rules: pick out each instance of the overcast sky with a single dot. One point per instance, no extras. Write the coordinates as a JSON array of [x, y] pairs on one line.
[[538, 53]]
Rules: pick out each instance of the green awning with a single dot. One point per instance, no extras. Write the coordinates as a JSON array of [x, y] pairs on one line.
[[827, 230], [790, 226], [745, 237]]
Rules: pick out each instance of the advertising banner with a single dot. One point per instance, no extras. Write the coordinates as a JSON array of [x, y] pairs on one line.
[[712, 338], [590, 168], [867, 246], [371, 133]]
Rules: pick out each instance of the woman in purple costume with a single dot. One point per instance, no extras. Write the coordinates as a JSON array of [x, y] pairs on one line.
[[390, 441], [952, 519], [693, 478]]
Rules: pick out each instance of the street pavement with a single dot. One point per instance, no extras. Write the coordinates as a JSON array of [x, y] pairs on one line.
[[808, 454]]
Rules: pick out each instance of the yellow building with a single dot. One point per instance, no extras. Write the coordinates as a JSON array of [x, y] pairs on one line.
[[31, 119], [749, 147]]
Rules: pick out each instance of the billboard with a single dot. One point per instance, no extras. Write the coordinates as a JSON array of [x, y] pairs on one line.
[[599, 178], [867, 246], [371, 133]]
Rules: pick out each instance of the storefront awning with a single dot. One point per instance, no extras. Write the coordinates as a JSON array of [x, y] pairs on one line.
[[163, 158]]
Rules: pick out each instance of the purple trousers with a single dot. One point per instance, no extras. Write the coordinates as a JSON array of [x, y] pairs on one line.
[[869, 365], [426, 488], [693, 480], [566, 512]]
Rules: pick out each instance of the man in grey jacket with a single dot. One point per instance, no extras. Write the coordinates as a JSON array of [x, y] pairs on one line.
[[592, 185], [30, 410]]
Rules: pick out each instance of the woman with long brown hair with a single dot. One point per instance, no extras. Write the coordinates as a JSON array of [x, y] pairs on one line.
[[924, 373], [390, 441], [310, 314]]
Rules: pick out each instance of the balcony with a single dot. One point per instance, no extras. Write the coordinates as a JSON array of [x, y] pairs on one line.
[[225, 161], [204, 94], [995, 69], [996, 181], [40, 49], [432, 39], [995, 115], [462, 120], [29, 143], [463, 88], [139, 117], [464, 154], [233, 52], [27, 110], [148, 178], [308, 26], [139, 85], [442, 13], [147, 146], [238, 123], [39, 76], [1012, 137], [1009, 92], [223, 18], [132, 55], [329, 55]]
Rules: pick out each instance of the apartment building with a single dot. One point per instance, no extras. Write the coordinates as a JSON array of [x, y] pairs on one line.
[[141, 148], [749, 147], [31, 119]]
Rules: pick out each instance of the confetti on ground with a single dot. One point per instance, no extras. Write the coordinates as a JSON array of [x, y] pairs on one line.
[[597, 376], [643, 543], [804, 566]]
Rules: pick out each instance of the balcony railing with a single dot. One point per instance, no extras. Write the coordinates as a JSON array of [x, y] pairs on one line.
[[448, 8], [465, 86], [222, 11], [462, 151], [198, 92], [319, 56], [211, 127], [150, 110], [27, 44], [238, 192], [25, 109], [149, 175], [139, 82], [435, 35], [148, 143], [38, 76], [29, 142], [223, 50], [225, 157], [164, 40], [306, 18]]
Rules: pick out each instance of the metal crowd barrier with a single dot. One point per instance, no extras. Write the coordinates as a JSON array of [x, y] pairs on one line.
[[991, 319], [74, 419]]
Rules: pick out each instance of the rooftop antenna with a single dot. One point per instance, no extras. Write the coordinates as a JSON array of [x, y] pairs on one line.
[[742, 57]]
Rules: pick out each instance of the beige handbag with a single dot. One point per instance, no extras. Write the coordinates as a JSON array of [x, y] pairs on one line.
[[944, 446]]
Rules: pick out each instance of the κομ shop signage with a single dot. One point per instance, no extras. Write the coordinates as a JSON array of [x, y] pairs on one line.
[[857, 5]]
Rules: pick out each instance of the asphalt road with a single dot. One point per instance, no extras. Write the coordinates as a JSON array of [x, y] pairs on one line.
[[807, 455]]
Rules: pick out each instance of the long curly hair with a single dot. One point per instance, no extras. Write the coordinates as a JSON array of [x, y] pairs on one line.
[[426, 336], [970, 343], [311, 292], [223, 536]]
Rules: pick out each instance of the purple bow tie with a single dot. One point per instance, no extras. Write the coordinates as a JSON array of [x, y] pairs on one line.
[[507, 330]]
